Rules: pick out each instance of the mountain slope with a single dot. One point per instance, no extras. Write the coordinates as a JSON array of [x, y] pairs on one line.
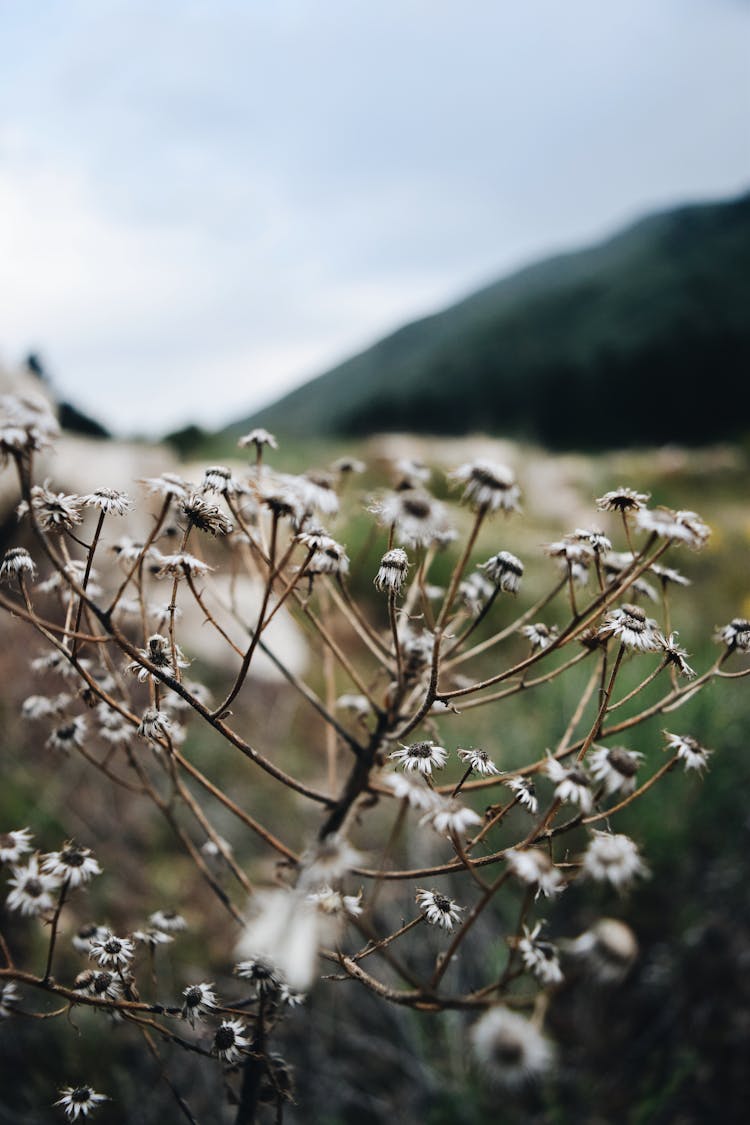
[[643, 338]]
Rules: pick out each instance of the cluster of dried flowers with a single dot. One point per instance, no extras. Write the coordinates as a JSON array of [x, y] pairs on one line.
[[393, 684]]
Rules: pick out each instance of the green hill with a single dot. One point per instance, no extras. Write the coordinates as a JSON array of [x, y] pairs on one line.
[[641, 339]]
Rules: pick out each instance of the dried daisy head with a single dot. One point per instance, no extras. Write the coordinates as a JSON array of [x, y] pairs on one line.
[[678, 527], [449, 817], [110, 951], [79, 1101], [69, 734], [392, 571], [489, 487], [168, 485], [623, 500], [73, 864], [688, 750], [478, 761], [14, 844], [206, 517], [54, 511], [539, 635], [421, 756], [535, 867], [735, 635], [259, 438], [572, 785], [675, 655], [329, 557], [630, 625], [230, 1041], [17, 564], [109, 501], [198, 999], [31, 893], [218, 478], [438, 909], [612, 858], [509, 1049], [525, 793], [615, 768], [418, 520], [505, 571], [409, 787], [540, 957]]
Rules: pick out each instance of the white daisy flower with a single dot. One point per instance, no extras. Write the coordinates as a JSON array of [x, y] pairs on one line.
[[111, 951], [261, 973], [438, 909], [622, 500], [334, 902], [679, 527], [79, 1101], [32, 890], [72, 864], [168, 920], [70, 734], [109, 501], [478, 760], [410, 788], [197, 1000], [85, 935], [103, 985], [230, 1041], [539, 635], [422, 756]]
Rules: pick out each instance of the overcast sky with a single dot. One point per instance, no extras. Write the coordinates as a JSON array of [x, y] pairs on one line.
[[204, 204]]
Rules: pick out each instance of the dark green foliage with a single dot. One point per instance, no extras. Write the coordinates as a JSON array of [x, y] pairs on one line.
[[642, 339]]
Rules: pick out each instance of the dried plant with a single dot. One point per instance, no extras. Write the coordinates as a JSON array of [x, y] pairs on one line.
[[386, 699]]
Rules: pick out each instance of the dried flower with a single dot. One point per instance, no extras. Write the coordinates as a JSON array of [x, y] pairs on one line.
[[609, 948], [615, 767], [392, 572], [159, 653], [218, 478], [632, 628], [438, 909], [14, 844], [334, 902], [450, 817], [261, 973], [525, 793], [168, 920], [735, 635], [478, 760], [410, 787], [358, 705], [110, 951], [206, 517], [540, 957], [675, 655], [42, 706], [230, 1041], [346, 465], [79, 1101], [505, 570], [688, 749], [679, 527], [85, 935], [55, 511], [154, 724], [17, 563], [109, 501], [622, 500], [329, 557], [69, 734], [423, 756], [476, 591], [181, 565], [489, 487], [168, 484], [103, 985], [32, 890], [418, 519], [612, 858], [509, 1049], [539, 635], [198, 999], [571, 785], [535, 867], [72, 864], [258, 437]]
